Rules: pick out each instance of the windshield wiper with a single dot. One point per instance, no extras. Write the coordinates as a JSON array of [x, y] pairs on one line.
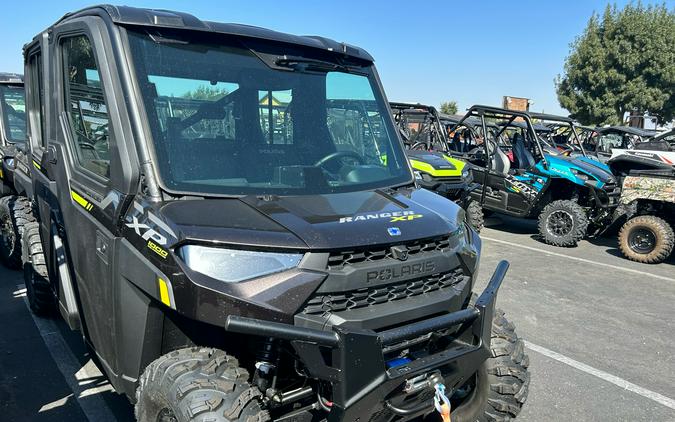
[[304, 64]]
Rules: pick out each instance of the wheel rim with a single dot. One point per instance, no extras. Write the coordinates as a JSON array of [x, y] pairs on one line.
[[166, 415], [642, 240], [560, 223]]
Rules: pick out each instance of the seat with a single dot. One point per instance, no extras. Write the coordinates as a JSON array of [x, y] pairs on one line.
[[522, 157], [500, 162]]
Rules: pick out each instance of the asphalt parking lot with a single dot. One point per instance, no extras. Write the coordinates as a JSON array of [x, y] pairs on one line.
[[599, 331]]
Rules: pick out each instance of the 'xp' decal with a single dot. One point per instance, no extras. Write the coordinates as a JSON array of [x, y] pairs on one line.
[[141, 221], [396, 216]]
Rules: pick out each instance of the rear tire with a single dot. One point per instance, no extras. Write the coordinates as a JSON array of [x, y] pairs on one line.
[[647, 239], [197, 384], [15, 213], [36, 277], [502, 383], [474, 215], [563, 223]]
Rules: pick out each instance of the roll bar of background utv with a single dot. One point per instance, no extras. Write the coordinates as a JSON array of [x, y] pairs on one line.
[[482, 111], [355, 379], [562, 119]]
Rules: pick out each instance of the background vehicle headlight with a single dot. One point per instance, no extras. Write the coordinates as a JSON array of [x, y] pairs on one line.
[[232, 265], [580, 175]]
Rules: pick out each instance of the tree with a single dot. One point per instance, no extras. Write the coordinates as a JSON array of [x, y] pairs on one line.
[[623, 61], [449, 107], [203, 92]]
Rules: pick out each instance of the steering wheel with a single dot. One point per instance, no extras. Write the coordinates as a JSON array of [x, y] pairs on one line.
[[337, 155]]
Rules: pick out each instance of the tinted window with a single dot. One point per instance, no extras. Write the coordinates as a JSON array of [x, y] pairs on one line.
[[13, 112], [86, 106], [224, 121]]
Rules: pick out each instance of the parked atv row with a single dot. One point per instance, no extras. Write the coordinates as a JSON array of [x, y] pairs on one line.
[[263, 251], [542, 170], [15, 185], [427, 146]]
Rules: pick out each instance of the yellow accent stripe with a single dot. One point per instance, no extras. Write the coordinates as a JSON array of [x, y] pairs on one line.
[[80, 200], [2, 175], [428, 168], [164, 292], [37, 165], [459, 164]]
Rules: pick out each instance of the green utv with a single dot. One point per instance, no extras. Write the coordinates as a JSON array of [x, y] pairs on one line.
[[228, 215], [426, 141], [15, 184]]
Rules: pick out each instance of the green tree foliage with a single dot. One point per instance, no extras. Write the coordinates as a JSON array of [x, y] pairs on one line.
[[204, 92], [449, 107], [624, 60]]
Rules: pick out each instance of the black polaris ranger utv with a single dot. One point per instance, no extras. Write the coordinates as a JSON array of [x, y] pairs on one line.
[[15, 184], [427, 146], [228, 215]]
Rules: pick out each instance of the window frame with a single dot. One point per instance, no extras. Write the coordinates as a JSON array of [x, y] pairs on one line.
[[64, 106]]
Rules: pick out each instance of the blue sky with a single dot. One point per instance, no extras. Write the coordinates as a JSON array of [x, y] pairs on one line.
[[426, 51]]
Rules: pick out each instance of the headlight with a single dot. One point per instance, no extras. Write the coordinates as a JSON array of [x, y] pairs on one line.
[[232, 265], [580, 175], [418, 175], [466, 172]]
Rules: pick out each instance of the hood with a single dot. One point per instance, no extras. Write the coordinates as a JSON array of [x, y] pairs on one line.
[[435, 163], [574, 162], [593, 162], [315, 222]]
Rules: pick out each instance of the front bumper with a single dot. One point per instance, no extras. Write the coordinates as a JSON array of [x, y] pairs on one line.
[[362, 384], [607, 197]]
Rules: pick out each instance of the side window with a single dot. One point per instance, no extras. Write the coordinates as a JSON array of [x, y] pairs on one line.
[[85, 106], [36, 99]]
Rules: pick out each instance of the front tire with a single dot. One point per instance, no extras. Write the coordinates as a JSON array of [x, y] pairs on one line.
[[39, 292], [474, 215], [563, 223], [502, 383], [647, 239], [197, 385], [15, 213]]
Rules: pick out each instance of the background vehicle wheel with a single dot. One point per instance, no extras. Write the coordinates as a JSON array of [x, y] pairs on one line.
[[563, 223], [197, 384], [647, 239], [36, 277], [474, 215], [501, 385], [15, 212]]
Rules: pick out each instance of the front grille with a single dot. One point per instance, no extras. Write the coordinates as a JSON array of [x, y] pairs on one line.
[[336, 302], [338, 260], [443, 179]]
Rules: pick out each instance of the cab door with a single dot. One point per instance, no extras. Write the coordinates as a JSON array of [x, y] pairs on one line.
[[83, 160]]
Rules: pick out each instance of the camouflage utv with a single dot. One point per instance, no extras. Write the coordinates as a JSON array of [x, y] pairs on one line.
[[648, 203]]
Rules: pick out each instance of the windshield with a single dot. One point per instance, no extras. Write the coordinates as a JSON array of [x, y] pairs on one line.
[[225, 122], [13, 112]]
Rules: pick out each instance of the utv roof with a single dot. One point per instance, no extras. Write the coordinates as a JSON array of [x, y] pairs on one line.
[[624, 129], [158, 18], [11, 78], [551, 117], [411, 106], [663, 135]]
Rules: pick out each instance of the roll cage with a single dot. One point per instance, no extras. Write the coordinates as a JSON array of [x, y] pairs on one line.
[[488, 117], [421, 125]]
